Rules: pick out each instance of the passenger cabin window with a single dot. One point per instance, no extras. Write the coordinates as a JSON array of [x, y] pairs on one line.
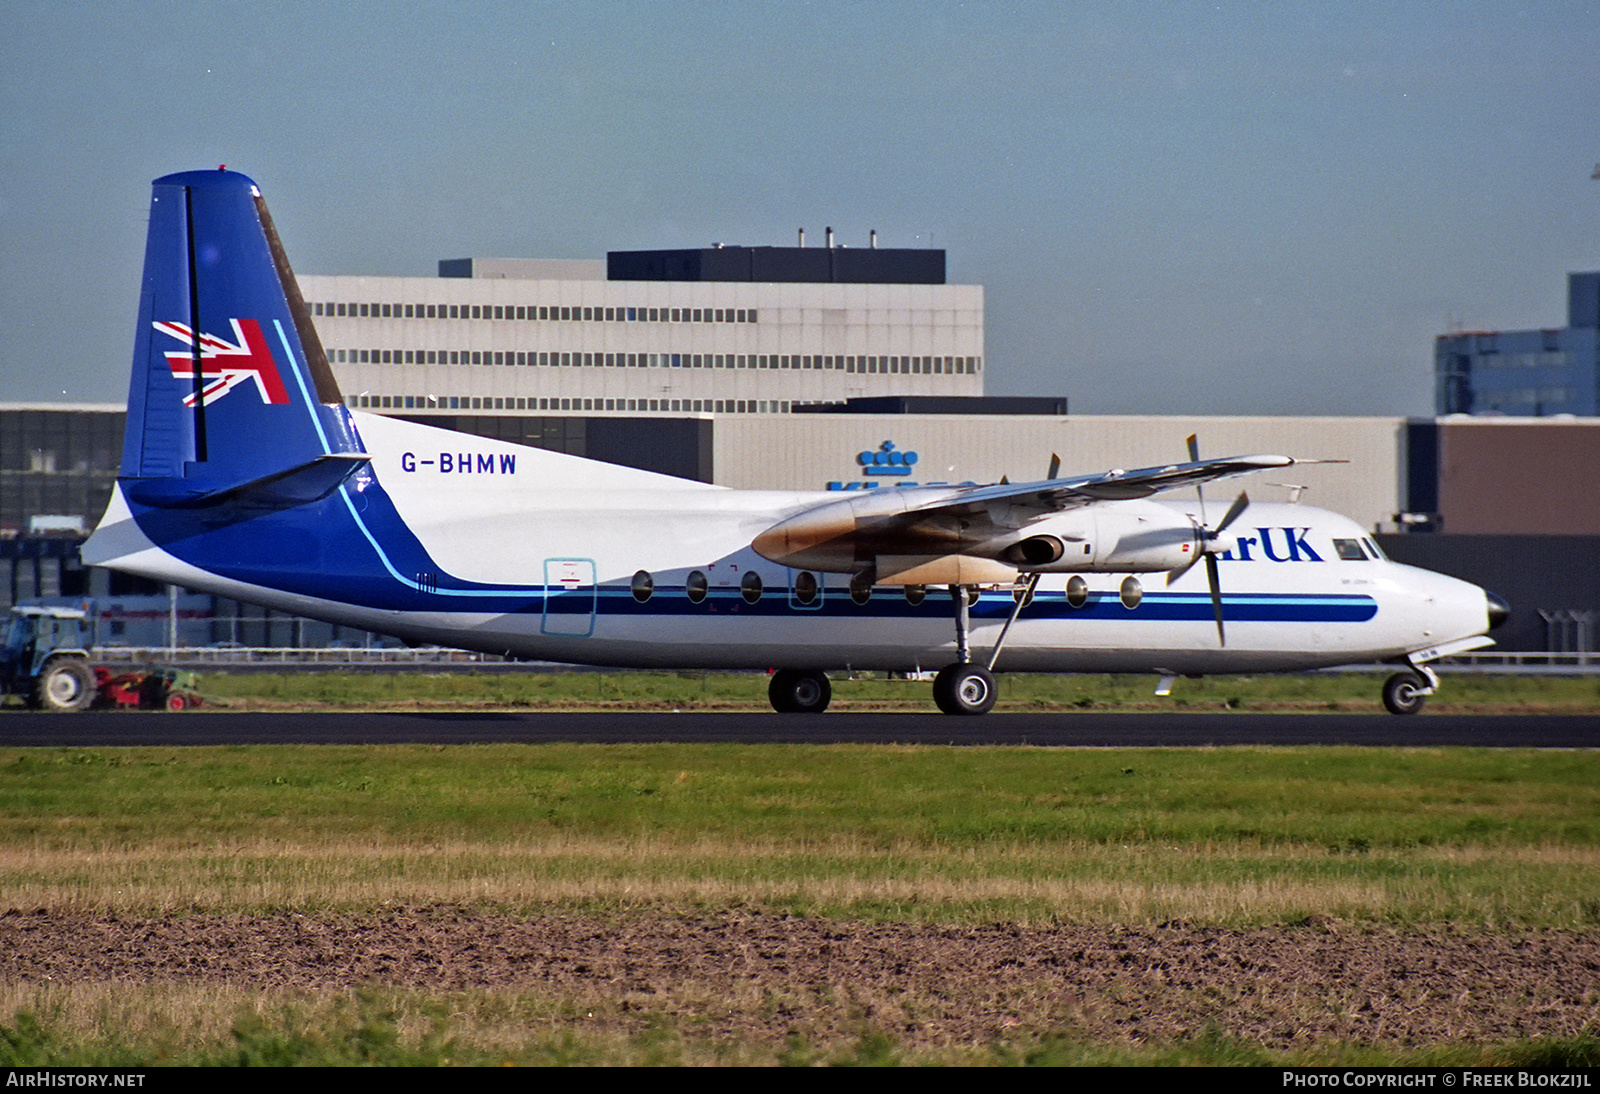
[[1020, 590], [696, 585], [1077, 591], [643, 586], [1132, 592], [861, 588], [750, 587], [805, 587]]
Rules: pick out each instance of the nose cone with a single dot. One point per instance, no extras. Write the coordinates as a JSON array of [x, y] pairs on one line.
[[1499, 610]]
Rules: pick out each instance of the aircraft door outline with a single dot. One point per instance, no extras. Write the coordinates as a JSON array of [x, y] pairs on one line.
[[569, 588]]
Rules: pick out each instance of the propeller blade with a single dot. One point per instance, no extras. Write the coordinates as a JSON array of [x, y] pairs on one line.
[[1240, 504], [1208, 537], [1216, 595], [1055, 466], [1193, 442]]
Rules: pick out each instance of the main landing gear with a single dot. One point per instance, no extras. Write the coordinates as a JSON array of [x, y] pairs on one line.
[[961, 688], [796, 691], [964, 687]]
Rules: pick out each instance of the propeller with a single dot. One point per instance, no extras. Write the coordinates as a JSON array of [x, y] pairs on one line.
[[1208, 543], [1055, 469]]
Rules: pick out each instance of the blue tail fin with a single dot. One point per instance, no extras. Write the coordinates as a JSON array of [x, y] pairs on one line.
[[247, 411]]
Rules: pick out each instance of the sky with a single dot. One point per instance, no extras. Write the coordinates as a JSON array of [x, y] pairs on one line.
[[1174, 208]]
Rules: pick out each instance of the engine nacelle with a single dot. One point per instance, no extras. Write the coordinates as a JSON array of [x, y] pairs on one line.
[[1127, 537], [1035, 552], [881, 529]]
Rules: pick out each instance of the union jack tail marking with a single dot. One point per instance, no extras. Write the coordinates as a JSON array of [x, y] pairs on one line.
[[225, 365]]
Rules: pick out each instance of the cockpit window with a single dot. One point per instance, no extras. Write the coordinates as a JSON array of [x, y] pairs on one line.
[[1349, 549], [1374, 550]]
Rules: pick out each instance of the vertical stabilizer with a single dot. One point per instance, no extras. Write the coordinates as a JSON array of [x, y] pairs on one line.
[[251, 395]]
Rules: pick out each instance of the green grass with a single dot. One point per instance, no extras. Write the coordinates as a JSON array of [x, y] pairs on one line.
[[391, 1028], [539, 689], [1382, 839], [1230, 836]]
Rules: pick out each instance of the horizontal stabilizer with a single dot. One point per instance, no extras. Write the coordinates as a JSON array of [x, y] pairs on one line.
[[308, 482]]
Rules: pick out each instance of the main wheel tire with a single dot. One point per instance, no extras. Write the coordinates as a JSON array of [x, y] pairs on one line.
[[964, 689], [65, 685], [793, 691], [1403, 693]]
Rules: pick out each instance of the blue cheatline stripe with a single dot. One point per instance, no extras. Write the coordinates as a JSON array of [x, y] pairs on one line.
[[518, 596], [327, 449], [519, 592], [618, 601], [299, 378]]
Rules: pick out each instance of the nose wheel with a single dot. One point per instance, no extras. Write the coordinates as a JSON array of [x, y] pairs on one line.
[[1405, 693]]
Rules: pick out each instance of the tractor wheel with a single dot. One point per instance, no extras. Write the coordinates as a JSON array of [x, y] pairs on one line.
[[66, 684]]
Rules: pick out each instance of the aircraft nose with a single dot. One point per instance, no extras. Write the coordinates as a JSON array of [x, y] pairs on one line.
[[1499, 610]]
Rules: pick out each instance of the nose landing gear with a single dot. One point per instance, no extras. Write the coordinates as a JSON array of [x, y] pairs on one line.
[[1405, 693]]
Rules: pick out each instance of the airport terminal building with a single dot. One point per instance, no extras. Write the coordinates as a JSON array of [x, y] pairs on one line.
[[725, 330]]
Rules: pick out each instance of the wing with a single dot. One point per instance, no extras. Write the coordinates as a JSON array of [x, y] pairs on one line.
[[1054, 495], [900, 531]]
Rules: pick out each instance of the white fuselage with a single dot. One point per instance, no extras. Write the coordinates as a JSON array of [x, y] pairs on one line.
[[572, 536]]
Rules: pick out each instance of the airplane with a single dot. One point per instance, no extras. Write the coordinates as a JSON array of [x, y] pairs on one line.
[[245, 475]]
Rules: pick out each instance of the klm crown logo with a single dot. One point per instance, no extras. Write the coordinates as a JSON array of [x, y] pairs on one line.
[[887, 461]]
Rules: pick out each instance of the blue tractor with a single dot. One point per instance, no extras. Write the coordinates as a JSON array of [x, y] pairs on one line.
[[44, 658]]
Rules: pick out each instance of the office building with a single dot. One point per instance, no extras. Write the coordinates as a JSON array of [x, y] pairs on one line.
[[1525, 372], [725, 330]]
